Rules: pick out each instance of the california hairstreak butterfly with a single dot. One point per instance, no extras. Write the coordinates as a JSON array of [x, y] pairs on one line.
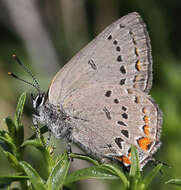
[[99, 100]]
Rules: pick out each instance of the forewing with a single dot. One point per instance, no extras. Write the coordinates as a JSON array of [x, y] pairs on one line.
[[121, 55]]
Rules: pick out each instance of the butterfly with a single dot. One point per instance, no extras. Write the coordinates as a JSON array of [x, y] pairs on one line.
[[99, 100]]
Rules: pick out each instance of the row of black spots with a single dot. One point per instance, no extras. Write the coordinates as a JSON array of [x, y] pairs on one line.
[[118, 48], [124, 116], [122, 123], [115, 42], [119, 59], [123, 71]]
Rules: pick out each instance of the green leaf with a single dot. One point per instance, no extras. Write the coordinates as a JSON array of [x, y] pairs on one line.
[[84, 157], [147, 180], [37, 182], [174, 182], [94, 172], [117, 172], [17, 120], [59, 173], [134, 174], [135, 166], [11, 127], [19, 109]]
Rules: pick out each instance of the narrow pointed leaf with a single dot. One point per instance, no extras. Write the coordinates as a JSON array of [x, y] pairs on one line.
[[134, 174], [135, 166], [36, 180], [19, 127], [58, 174], [148, 179], [19, 109], [174, 182], [94, 172], [84, 157]]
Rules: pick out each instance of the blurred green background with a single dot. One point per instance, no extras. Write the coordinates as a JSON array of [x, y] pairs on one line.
[[46, 34]]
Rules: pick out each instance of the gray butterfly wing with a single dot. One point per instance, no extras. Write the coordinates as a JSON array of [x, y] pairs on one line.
[[121, 55], [106, 119]]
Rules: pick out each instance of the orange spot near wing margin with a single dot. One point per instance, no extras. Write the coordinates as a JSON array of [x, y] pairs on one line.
[[144, 143]]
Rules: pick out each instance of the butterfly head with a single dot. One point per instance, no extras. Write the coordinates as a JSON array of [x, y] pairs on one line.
[[39, 100]]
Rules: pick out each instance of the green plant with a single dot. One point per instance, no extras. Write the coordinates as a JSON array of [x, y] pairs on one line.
[[13, 144]]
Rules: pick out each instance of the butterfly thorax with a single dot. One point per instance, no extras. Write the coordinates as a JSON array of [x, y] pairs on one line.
[[53, 117]]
